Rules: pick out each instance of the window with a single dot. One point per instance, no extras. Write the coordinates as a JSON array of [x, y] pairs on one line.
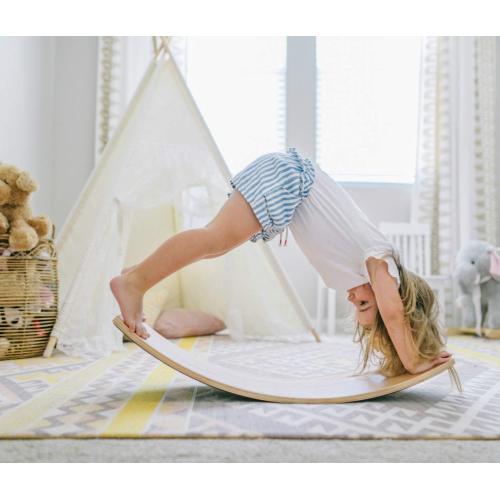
[[367, 98], [239, 85]]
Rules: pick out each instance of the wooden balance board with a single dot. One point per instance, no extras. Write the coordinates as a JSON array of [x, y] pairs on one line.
[[333, 389]]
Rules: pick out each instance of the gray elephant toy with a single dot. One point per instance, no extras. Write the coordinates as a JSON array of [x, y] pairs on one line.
[[477, 272]]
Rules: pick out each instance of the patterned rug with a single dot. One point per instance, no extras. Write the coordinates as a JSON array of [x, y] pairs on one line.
[[130, 394]]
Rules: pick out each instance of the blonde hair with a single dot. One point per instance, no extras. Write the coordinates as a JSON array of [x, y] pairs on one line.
[[421, 311]]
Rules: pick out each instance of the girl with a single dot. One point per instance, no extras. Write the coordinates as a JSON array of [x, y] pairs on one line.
[[396, 311]]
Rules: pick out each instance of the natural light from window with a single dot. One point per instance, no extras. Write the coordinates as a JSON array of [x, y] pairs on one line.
[[367, 98], [239, 85]]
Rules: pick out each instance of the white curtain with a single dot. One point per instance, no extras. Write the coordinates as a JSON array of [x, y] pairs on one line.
[[455, 188]]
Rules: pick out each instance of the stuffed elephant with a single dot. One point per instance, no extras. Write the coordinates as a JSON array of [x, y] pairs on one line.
[[477, 272]]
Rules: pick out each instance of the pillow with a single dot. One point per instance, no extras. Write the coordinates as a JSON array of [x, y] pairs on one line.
[[177, 323]]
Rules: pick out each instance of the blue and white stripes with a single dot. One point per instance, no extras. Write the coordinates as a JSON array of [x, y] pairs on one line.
[[274, 185]]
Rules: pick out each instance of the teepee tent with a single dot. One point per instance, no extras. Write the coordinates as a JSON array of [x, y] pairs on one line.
[[162, 173]]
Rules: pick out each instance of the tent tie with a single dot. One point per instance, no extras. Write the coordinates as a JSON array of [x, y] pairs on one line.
[[283, 244]]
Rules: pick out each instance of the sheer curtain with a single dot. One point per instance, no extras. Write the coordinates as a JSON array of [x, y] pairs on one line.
[[121, 63], [455, 181]]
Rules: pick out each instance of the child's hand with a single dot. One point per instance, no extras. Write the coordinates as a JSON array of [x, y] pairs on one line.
[[427, 364]]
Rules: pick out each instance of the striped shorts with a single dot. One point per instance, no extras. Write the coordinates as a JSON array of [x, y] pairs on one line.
[[274, 185]]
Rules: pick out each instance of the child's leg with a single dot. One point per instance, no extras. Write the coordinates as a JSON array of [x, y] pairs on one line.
[[233, 225], [211, 256]]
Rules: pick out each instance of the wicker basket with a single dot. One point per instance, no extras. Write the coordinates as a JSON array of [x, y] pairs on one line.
[[28, 298]]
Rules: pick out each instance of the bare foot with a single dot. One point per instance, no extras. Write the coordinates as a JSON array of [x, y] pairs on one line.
[[129, 299], [126, 270]]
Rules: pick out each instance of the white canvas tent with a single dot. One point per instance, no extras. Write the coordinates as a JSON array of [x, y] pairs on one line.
[[161, 173]]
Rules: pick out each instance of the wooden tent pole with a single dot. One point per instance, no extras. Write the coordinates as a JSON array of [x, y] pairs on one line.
[[160, 45]]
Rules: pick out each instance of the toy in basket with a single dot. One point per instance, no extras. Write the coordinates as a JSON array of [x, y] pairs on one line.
[[28, 270]]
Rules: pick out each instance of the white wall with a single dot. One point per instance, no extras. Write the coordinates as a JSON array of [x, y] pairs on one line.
[[26, 110], [75, 88], [47, 115]]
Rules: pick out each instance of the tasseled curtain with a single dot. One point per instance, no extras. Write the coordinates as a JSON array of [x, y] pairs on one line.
[[455, 186]]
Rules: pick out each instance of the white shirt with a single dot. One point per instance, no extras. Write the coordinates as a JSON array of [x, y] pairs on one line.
[[337, 237]]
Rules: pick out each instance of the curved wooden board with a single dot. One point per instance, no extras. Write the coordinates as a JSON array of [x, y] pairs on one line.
[[334, 389]]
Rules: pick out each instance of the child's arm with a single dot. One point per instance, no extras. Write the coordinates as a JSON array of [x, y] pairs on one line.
[[391, 309]]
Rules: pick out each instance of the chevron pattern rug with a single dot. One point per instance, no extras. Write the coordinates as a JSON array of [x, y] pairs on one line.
[[130, 394]]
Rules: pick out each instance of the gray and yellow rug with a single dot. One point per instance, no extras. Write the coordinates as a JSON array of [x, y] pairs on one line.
[[130, 394]]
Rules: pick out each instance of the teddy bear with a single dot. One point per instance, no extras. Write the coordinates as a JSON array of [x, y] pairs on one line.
[[477, 273], [16, 218]]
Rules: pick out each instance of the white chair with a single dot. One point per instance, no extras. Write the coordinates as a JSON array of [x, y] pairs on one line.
[[413, 241]]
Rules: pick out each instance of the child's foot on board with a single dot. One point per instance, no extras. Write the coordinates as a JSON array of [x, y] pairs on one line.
[[129, 299], [126, 270]]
